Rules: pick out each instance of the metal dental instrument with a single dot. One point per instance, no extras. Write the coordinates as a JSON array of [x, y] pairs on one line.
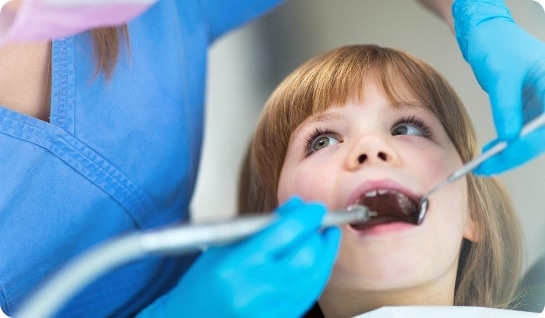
[[471, 165], [175, 240]]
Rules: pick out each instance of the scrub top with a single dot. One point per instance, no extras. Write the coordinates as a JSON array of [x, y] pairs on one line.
[[118, 155]]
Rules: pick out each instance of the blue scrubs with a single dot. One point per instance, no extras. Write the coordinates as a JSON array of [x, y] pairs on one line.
[[118, 155]]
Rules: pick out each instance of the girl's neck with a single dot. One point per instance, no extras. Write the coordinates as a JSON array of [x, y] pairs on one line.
[[340, 302]]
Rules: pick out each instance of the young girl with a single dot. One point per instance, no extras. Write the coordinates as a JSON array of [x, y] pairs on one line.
[[376, 126]]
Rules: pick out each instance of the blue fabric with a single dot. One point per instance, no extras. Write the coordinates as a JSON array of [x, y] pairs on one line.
[[118, 155]]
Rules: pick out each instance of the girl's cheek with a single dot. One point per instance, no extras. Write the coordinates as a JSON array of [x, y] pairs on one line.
[[305, 185], [308, 186], [439, 166]]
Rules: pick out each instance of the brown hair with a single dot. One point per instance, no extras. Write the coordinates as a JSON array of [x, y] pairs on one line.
[[491, 266], [106, 47]]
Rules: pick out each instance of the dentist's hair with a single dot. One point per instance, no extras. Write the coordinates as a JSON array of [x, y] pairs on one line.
[[106, 46], [490, 267]]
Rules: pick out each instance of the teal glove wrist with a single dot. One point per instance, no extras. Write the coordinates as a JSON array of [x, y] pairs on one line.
[[509, 64], [278, 272]]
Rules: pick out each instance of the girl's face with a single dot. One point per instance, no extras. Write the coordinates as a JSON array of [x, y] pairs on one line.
[[380, 155]]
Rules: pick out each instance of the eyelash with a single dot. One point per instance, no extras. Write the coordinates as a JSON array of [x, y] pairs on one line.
[[417, 122], [312, 137]]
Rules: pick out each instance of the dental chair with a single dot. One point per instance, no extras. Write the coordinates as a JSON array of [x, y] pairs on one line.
[[532, 287]]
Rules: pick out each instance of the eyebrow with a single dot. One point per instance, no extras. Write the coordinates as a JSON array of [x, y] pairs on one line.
[[409, 105], [333, 114], [324, 117], [402, 106]]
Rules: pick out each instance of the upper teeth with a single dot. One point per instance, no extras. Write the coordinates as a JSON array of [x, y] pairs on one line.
[[374, 193], [371, 193]]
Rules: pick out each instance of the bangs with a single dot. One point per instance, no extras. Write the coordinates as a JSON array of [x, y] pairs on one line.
[[329, 80]]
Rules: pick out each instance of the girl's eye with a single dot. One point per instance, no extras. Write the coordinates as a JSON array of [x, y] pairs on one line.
[[411, 126], [322, 142], [319, 140], [406, 130]]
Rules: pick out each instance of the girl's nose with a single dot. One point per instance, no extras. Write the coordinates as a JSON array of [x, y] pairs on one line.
[[371, 150]]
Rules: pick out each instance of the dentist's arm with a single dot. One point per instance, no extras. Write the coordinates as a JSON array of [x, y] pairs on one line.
[[509, 64], [441, 8], [279, 272]]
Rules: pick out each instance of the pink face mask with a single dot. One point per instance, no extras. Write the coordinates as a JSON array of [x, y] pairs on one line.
[[35, 20]]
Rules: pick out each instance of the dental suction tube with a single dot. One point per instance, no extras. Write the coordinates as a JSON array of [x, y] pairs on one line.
[[171, 241]]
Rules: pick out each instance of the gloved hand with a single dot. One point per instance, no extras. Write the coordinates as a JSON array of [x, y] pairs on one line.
[[509, 65], [278, 272]]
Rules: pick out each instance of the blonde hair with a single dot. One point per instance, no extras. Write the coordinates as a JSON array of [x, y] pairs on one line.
[[490, 267]]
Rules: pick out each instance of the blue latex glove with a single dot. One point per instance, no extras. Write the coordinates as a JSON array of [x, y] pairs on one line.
[[278, 272], [509, 65]]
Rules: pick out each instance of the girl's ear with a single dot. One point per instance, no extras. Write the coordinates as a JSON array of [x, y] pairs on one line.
[[470, 231]]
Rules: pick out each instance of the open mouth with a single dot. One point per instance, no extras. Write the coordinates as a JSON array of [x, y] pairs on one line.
[[390, 205]]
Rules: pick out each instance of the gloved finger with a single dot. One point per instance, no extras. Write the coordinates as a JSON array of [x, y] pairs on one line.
[[289, 226], [533, 94], [160, 306], [313, 287], [502, 84], [324, 265], [517, 153], [505, 97], [316, 248], [288, 305], [291, 288], [490, 144], [258, 248], [306, 288], [293, 203]]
